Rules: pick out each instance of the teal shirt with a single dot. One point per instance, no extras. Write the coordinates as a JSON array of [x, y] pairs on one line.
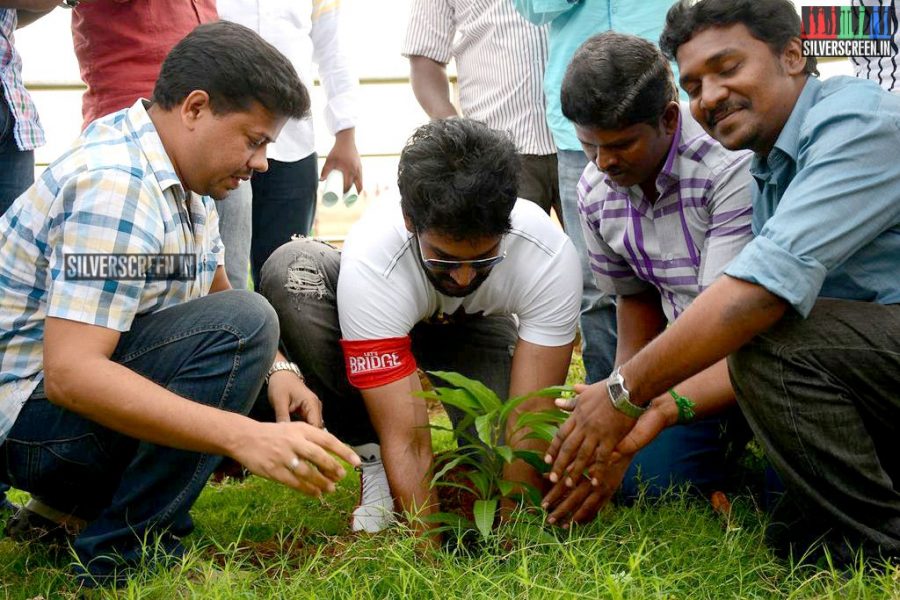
[[574, 21], [826, 204]]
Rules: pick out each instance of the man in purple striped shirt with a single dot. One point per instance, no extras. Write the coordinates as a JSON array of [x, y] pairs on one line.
[[664, 208]]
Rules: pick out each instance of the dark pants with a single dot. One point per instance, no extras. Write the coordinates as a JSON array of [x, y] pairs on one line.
[[539, 181], [822, 395], [16, 166], [216, 351], [256, 220], [300, 280]]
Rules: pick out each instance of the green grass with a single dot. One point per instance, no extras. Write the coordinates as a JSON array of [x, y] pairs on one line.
[[257, 539]]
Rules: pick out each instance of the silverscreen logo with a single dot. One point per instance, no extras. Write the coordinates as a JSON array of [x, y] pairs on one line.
[[130, 267], [849, 31]]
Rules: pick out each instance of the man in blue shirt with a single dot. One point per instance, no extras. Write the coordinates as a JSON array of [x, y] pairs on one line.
[[807, 313]]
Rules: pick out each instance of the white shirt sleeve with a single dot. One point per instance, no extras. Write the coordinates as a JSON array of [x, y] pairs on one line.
[[330, 53]]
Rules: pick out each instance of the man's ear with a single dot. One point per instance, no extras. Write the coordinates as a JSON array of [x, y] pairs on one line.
[[409, 224], [669, 119], [194, 107], [792, 59]]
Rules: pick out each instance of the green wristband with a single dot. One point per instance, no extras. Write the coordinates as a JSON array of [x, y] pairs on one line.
[[685, 407]]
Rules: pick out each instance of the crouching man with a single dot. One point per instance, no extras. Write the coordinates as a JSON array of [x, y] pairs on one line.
[[458, 276], [119, 389]]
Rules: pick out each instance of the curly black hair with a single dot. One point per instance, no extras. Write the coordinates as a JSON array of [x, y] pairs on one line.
[[457, 177]]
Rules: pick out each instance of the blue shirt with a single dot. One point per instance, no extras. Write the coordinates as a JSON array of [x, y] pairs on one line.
[[826, 204], [571, 23]]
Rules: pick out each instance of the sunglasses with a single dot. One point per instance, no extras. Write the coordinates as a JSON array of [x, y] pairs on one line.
[[479, 265]]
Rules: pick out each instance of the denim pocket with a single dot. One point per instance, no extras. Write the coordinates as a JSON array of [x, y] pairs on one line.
[[36, 466]]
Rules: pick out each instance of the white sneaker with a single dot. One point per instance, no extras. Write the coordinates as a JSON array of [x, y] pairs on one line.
[[375, 510]]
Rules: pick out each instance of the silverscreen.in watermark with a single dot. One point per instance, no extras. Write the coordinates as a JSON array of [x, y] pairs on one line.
[[130, 267], [849, 31]]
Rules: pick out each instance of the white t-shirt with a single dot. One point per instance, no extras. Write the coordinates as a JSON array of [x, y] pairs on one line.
[[383, 290]]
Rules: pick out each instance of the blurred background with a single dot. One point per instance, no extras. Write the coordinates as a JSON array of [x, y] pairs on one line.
[[388, 110]]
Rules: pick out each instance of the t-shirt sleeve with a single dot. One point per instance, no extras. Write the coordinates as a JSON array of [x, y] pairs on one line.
[[371, 307], [103, 213], [842, 197], [550, 314]]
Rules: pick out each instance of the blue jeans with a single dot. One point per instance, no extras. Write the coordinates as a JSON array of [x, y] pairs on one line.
[[216, 351], [701, 455], [16, 166], [255, 220], [300, 280], [598, 311]]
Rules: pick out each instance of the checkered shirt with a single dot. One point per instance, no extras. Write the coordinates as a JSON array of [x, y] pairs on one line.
[[682, 242], [115, 191], [27, 129]]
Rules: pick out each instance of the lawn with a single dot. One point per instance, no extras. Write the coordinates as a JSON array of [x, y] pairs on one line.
[[255, 539]]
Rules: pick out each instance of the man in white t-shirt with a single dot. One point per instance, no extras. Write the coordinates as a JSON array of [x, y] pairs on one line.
[[459, 276]]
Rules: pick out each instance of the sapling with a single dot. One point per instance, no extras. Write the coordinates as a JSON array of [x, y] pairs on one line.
[[476, 464]]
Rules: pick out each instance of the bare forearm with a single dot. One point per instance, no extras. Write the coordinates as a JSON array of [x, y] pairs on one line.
[[27, 17], [117, 397], [534, 368], [721, 320], [431, 87], [639, 319], [710, 391], [32, 5], [408, 466]]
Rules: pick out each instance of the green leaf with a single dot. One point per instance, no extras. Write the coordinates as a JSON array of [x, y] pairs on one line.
[[481, 393], [484, 512], [510, 405], [548, 417], [541, 431], [481, 481], [485, 427], [461, 399], [554, 391], [450, 464], [506, 487], [506, 452], [533, 458]]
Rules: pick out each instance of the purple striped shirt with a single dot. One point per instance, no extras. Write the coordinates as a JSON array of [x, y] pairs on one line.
[[27, 129], [682, 242]]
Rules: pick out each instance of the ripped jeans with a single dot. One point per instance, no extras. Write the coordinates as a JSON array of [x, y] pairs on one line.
[[300, 281]]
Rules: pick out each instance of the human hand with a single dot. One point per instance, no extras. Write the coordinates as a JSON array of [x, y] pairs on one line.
[[581, 503], [289, 394], [588, 436], [345, 158], [296, 454]]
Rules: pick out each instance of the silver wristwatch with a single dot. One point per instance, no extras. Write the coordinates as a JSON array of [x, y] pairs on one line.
[[619, 396], [283, 365]]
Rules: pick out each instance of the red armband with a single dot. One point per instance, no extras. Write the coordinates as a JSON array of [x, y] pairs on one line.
[[373, 363]]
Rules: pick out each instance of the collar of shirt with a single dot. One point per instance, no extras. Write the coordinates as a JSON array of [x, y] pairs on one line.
[[787, 146], [151, 146]]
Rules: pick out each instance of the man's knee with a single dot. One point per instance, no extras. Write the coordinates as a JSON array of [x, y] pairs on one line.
[[249, 316], [304, 268]]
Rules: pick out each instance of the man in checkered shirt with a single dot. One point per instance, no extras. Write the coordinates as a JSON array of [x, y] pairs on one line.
[[119, 391]]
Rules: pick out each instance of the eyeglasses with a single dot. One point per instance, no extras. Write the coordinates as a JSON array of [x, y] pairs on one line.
[[479, 265]]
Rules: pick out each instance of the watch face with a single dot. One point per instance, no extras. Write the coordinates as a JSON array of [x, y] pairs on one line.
[[616, 390]]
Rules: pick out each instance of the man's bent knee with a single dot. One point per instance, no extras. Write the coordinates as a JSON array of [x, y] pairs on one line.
[[303, 269]]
